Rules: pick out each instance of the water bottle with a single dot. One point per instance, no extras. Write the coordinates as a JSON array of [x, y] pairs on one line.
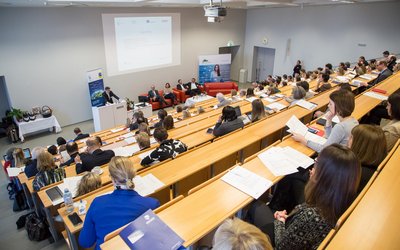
[[82, 208], [68, 202]]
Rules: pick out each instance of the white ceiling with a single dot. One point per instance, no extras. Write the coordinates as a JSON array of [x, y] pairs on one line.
[[177, 3]]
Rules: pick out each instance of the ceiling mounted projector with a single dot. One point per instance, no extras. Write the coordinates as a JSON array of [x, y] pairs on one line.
[[214, 13]]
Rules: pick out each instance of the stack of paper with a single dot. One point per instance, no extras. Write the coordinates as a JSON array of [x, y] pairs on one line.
[[126, 151], [130, 140], [152, 140], [296, 126], [307, 105], [367, 77], [247, 181], [116, 130], [12, 172], [376, 96], [280, 95], [251, 99], [271, 98], [342, 79], [284, 161], [127, 135], [72, 184], [356, 83], [146, 185], [276, 105]]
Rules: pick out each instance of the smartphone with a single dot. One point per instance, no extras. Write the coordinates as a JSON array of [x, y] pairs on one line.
[[75, 219], [313, 130]]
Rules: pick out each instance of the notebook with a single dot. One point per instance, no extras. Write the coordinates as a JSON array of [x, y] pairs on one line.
[[148, 231]]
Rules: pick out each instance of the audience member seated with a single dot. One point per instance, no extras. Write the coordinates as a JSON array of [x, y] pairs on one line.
[[360, 69], [143, 140], [306, 86], [242, 93], [137, 118], [8, 161], [161, 116], [168, 94], [31, 167], [168, 122], [168, 148], [89, 182], [200, 110], [328, 69], [369, 145], [79, 134], [111, 211], [272, 90], [298, 93], [341, 104], [179, 109], [329, 192], [257, 110], [250, 92], [48, 172], [227, 122], [53, 150], [61, 143], [143, 127], [323, 83], [391, 63], [392, 129], [186, 114], [73, 151], [19, 158], [154, 96], [181, 86], [235, 234], [384, 73], [222, 101], [94, 157]]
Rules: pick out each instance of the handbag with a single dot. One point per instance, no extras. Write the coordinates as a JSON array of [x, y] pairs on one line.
[[46, 111], [37, 229]]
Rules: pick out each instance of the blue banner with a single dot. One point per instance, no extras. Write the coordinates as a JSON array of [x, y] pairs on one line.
[[96, 87]]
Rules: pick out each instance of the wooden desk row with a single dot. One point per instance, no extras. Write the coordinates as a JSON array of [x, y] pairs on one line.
[[202, 211]]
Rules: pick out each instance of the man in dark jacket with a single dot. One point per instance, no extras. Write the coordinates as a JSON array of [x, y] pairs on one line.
[[108, 95], [94, 156]]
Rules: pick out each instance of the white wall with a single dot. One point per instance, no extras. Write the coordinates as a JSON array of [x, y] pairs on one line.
[[45, 53], [323, 34]]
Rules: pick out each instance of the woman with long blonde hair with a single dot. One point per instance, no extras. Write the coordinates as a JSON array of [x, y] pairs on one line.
[[111, 211]]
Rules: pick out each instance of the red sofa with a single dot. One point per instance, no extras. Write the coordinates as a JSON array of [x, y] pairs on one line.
[[213, 88], [156, 105], [182, 95]]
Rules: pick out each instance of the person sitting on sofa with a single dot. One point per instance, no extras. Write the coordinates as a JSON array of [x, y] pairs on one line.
[[154, 96], [194, 87]]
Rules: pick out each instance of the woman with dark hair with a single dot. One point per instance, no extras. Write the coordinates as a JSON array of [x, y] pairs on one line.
[[250, 92], [168, 94], [227, 122], [331, 189], [168, 122], [392, 129], [61, 143], [369, 145], [137, 119], [341, 104], [257, 110]]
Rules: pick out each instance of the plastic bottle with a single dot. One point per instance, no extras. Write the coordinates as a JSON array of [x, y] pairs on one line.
[[68, 202], [82, 207]]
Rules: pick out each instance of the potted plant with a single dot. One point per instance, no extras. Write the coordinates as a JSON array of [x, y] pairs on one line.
[[17, 113]]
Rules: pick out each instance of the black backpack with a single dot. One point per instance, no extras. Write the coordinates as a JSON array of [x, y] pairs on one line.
[[37, 228]]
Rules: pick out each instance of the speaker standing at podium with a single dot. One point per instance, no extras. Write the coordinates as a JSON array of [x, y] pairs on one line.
[[108, 95]]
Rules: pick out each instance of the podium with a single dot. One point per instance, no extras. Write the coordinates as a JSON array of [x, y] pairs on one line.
[[109, 116]]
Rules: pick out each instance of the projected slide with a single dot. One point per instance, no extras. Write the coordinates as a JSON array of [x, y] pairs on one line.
[[143, 41], [139, 42]]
